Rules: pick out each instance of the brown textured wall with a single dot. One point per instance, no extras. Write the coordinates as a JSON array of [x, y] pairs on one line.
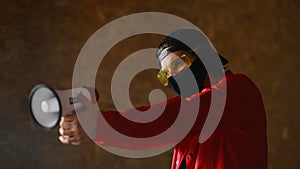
[[40, 41]]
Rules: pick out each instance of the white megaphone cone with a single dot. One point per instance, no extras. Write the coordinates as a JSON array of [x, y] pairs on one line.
[[47, 105]]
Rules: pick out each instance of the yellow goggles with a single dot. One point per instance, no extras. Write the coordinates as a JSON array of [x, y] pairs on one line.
[[176, 66]]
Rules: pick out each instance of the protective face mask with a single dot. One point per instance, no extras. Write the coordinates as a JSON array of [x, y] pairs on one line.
[[189, 81]]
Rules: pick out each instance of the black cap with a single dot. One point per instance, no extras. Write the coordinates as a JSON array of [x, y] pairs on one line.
[[187, 40]]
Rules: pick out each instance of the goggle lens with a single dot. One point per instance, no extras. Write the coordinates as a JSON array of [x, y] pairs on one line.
[[174, 68]]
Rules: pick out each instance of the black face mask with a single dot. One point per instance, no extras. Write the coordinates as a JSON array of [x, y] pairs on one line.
[[190, 80]]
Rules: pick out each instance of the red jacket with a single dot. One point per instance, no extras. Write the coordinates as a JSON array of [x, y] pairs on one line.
[[239, 141]]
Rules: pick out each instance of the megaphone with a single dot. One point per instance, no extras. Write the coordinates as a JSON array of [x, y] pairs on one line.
[[47, 105]]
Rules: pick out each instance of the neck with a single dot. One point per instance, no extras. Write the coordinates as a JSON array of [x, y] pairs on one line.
[[206, 82]]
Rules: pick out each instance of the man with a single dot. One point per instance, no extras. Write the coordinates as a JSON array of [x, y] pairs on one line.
[[239, 140]]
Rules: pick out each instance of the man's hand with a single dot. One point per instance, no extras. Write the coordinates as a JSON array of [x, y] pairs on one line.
[[71, 129]]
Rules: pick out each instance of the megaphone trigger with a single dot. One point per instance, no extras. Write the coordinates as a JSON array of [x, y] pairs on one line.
[[73, 100]]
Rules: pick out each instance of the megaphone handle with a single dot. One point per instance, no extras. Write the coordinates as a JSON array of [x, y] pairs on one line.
[[76, 143]]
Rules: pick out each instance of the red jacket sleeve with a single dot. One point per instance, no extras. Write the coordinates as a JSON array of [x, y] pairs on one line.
[[181, 117], [175, 122], [118, 131]]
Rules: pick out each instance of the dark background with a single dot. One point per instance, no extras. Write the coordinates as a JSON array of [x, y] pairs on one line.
[[40, 41]]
